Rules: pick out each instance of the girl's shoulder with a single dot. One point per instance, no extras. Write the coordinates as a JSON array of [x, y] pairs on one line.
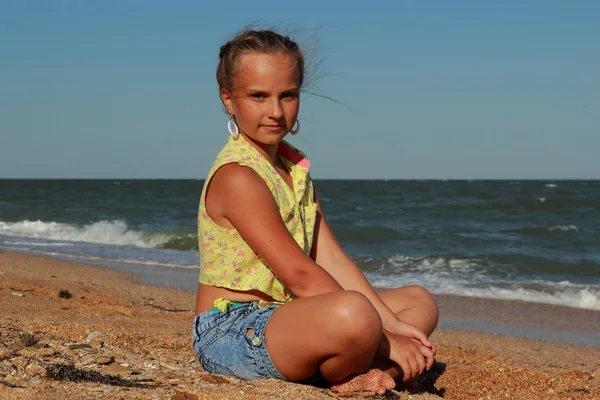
[[238, 153]]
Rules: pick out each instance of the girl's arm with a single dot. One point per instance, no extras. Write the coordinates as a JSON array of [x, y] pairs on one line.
[[328, 253], [244, 200]]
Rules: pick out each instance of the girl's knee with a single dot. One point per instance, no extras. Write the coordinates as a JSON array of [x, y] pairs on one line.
[[423, 298], [356, 319]]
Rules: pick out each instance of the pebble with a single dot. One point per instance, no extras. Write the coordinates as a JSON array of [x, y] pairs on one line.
[[47, 352], [184, 396], [115, 369], [79, 346], [104, 360], [91, 336], [213, 379], [139, 378], [90, 350], [18, 294], [169, 366], [150, 365]]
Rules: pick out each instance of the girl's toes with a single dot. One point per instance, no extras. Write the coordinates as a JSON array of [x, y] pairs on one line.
[[387, 382]]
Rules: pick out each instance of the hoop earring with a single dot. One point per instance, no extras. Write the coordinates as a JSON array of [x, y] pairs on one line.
[[295, 130], [233, 128]]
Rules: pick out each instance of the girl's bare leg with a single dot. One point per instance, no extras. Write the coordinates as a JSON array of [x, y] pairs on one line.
[[338, 334], [412, 304], [335, 333]]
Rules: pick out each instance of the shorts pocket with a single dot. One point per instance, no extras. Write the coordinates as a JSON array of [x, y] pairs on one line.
[[215, 367], [205, 332]]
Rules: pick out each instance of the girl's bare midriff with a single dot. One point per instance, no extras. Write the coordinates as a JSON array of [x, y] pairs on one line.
[[208, 294]]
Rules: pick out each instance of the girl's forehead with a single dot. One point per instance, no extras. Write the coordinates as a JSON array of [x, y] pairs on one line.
[[254, 68]]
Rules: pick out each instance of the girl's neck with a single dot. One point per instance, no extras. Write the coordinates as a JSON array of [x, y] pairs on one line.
[[269, 151]]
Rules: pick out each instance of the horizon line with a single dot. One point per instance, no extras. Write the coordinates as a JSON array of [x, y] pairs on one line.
[[317, 179]]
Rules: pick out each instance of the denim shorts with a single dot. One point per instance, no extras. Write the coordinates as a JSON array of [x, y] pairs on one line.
[[223, 346]]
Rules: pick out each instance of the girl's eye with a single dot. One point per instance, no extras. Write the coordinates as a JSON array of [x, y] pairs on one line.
[[258, 95]]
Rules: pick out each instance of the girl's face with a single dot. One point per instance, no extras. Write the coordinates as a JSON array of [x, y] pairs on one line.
[[265, 98]]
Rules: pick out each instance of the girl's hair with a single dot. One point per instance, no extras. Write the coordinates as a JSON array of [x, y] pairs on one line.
[[255, 41]]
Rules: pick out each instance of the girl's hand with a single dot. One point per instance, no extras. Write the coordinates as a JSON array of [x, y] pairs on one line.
[[405, 329], [402, 328], [412, 357]]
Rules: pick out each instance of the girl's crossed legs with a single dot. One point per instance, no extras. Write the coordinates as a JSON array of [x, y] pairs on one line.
[[337, 334]]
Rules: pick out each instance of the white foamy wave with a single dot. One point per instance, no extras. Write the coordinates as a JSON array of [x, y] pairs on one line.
[[551, 185], [542, 199], [564, 228], [584, 298], [562, 293], [53, 244], [104, 232], [458, 268]]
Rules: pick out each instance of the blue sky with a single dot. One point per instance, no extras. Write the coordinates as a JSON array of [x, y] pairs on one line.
[[126, 89]]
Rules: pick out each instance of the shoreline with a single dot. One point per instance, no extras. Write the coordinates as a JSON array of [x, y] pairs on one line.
[[148, 328]]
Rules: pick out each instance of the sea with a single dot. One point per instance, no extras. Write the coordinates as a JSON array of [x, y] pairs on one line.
[[531, 240]]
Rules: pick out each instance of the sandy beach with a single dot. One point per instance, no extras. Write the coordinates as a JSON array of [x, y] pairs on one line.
[[77, 331]]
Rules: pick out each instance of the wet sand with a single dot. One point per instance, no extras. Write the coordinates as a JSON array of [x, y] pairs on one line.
[[62, 323]]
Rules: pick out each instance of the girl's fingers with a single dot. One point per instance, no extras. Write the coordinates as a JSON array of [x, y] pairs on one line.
[[429, 363], [428, 354], [421, 361], [421, 337], [414, 367], [406, 370]]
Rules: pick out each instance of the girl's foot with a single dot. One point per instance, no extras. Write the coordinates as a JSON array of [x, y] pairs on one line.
[[375, 381]]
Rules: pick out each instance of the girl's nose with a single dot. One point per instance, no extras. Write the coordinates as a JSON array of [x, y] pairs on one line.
[[276, 111]]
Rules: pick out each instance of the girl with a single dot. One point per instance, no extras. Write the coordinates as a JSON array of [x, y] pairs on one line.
[[278, 297]]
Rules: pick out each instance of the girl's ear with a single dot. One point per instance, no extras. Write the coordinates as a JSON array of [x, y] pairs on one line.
[[227, 101]]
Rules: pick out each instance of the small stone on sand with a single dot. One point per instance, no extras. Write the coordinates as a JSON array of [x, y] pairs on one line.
[[214, 379], [104, 360]]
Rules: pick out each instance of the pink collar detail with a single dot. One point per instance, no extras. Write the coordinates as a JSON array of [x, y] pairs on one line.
[[293, 155]]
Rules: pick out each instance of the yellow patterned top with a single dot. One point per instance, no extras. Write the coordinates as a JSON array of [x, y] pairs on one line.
[[226, 259]]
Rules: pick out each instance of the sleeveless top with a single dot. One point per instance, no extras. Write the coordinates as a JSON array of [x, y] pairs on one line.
[[226, 260]]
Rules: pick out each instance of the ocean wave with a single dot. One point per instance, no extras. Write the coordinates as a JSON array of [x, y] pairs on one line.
[[544, 229], [181, 242], [564, 228], [438, 266], [584, 298], [105, 232], [519, 204], [551, 185], [490, 277], [499, 268], [53, 244], [535, 291]]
